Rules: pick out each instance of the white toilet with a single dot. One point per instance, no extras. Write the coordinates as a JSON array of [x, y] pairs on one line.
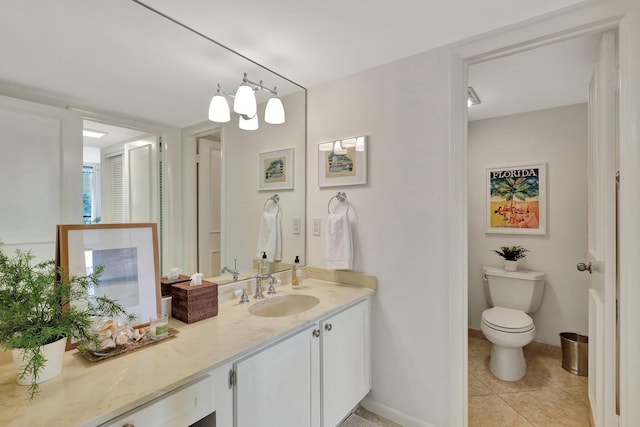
[[506, 324]]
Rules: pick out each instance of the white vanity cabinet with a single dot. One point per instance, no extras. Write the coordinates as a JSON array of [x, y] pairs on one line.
[[312, 378], [279, 386], [205, 402], [346, 361]]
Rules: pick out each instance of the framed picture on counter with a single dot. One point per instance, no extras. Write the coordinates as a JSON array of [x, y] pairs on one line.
[[129, 255]]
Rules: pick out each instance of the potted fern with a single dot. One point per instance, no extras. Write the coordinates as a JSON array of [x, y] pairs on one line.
[[511, 255], [37, 316]]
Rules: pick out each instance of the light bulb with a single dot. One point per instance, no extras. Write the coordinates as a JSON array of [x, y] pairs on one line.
[[219, 109], [274, 112], [248, 124], [245, 101]]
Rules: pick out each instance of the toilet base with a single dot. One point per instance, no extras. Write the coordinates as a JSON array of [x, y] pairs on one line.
[[507, 363]]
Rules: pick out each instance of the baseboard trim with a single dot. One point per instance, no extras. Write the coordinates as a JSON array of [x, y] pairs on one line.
[[392, 414]]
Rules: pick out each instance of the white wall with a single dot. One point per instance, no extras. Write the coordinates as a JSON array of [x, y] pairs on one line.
[[399, 222], [558, 137]]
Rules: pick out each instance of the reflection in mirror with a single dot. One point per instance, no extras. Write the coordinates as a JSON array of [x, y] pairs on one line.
[[119, 63]]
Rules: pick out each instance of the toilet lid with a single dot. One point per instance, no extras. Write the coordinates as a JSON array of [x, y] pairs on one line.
[[507, 319]]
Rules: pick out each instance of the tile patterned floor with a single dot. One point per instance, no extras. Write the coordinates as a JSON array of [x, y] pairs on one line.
[[547, 396]]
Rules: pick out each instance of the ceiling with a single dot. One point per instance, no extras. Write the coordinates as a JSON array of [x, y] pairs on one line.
[[92, 54]]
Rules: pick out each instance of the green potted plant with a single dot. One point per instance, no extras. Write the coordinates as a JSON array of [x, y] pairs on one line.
[[40, 308], [511, 255]]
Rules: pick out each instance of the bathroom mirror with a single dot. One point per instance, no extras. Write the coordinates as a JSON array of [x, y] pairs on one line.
[[102, 60]]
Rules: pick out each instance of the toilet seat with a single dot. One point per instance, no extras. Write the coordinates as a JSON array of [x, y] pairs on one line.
[[507, 320]]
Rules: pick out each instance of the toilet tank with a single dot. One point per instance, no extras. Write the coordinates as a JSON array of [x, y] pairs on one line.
[[519, 290]]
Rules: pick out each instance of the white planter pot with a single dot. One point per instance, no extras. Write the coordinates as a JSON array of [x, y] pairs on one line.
[[53, 352], [511, 265]]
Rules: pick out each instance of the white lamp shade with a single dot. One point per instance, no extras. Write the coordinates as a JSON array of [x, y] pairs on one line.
[[274, 112], [326, 146], [360, 143], [351, 142], [245, 101], [251, 124], [219, 109], [338, 149]]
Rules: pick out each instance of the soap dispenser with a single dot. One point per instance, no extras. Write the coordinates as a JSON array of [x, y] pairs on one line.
[[296, 273], [263, 266]]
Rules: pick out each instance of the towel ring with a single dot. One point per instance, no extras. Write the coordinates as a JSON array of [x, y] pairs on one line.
[[341, 197], [274, 199]]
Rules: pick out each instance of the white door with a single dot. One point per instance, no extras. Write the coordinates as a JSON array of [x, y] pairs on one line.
[[209, 206], [602, 235], [141, 181], [279, 386]]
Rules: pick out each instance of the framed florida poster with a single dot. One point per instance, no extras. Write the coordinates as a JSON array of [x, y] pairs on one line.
[[516, 199]]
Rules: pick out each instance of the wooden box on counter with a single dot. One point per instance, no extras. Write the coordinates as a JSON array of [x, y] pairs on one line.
[[193, 303], [166, 283]]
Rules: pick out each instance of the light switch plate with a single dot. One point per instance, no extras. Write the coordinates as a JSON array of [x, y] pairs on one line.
[[296, 225], [316, 226]]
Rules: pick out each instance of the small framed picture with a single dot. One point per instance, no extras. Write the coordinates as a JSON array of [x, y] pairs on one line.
[[275, 170], [342, 162], [129, 255], [516, 199]]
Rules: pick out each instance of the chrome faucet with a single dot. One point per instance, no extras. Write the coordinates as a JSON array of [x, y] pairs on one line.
[[258, 293], [233, 272], [259, 278], [272, 289]]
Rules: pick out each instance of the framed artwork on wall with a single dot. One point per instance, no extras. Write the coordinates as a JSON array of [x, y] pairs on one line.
[[275, 170], [516, 199], [342, 162], [129, 255]]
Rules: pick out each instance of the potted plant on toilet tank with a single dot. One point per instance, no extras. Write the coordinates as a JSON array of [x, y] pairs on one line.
[[511, 255], [37, 316]]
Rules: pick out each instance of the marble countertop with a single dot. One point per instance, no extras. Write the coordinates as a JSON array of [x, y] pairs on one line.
[[89, 393]]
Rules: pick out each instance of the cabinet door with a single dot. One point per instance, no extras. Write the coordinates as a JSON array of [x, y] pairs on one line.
[[279, 386], [346, 362]]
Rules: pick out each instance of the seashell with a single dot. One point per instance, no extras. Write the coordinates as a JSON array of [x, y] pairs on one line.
[[121, 339], [108, 343]]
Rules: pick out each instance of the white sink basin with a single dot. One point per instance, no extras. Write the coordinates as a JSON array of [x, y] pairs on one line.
[[284, 305]]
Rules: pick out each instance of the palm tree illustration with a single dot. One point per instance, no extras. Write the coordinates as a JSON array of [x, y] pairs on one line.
[[510, 189]]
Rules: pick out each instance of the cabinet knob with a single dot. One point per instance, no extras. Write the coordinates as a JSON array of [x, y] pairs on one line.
[[316, 333], [328, 327]]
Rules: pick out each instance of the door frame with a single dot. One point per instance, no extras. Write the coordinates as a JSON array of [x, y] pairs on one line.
[[547, 29]]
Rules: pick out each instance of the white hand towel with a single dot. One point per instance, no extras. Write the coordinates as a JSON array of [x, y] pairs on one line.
[[339, 245], [270, 237]]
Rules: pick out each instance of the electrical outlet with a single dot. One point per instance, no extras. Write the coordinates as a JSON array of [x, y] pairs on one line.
[[316, 226], [296, 225]]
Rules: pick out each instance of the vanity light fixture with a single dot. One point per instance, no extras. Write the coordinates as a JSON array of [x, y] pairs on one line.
[[472, 97], [245, 105], [93, 133]]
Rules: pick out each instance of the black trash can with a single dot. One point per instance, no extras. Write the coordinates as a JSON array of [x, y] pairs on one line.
[[575, 353]]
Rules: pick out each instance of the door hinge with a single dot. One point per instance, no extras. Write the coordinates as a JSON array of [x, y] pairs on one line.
[[197, 158], [160, 144], [232, 378]]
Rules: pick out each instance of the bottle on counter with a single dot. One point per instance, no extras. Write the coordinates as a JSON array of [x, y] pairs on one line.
[[296, 273], [263, 265]]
